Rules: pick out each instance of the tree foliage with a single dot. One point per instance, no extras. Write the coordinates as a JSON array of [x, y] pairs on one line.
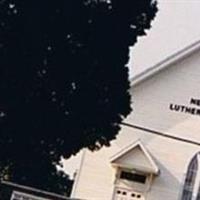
[[63, 78]]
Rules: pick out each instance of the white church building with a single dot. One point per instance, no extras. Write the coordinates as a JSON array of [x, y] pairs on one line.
[[156, 155]]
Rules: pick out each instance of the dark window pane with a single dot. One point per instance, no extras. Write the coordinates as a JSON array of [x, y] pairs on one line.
[[124, 193], [190, 179], [133, 177]]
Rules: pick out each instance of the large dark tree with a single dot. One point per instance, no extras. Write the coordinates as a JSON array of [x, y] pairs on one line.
[[63, 79]]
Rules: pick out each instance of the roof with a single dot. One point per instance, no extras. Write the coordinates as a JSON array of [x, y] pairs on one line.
[[172, 59], [33, 191], [150, 167]]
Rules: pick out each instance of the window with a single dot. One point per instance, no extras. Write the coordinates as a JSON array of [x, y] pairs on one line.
[[191, 187], [133, 177]]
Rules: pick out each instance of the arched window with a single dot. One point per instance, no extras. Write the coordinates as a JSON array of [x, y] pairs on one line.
[[191, 187]]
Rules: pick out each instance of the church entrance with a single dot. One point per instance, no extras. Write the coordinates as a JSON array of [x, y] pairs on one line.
[[125, 194]]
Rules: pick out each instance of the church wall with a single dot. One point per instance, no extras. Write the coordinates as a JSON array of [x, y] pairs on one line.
[[176, 85], [172, 157]]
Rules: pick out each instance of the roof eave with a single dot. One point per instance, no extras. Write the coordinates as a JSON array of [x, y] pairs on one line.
[[187, 51]]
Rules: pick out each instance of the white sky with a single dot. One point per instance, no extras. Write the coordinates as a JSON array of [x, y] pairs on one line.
[[176, 25]]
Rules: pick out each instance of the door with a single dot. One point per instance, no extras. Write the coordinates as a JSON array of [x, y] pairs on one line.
[[126, 194]]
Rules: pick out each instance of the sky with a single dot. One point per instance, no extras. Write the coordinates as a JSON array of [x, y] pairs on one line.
[[176, 25]]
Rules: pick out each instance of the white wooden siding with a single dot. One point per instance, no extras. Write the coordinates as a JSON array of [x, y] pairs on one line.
[[151, 99]]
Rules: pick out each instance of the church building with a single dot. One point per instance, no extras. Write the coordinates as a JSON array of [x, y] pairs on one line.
[[156, 155]]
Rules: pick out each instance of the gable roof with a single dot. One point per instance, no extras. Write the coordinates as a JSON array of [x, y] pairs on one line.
[[172, 59], [151, 168]]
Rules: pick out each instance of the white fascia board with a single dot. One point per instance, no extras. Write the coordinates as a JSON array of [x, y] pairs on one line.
[[187, 51], [127, 149]]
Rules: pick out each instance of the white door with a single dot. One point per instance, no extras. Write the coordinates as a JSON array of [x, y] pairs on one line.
[[125, 194]]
